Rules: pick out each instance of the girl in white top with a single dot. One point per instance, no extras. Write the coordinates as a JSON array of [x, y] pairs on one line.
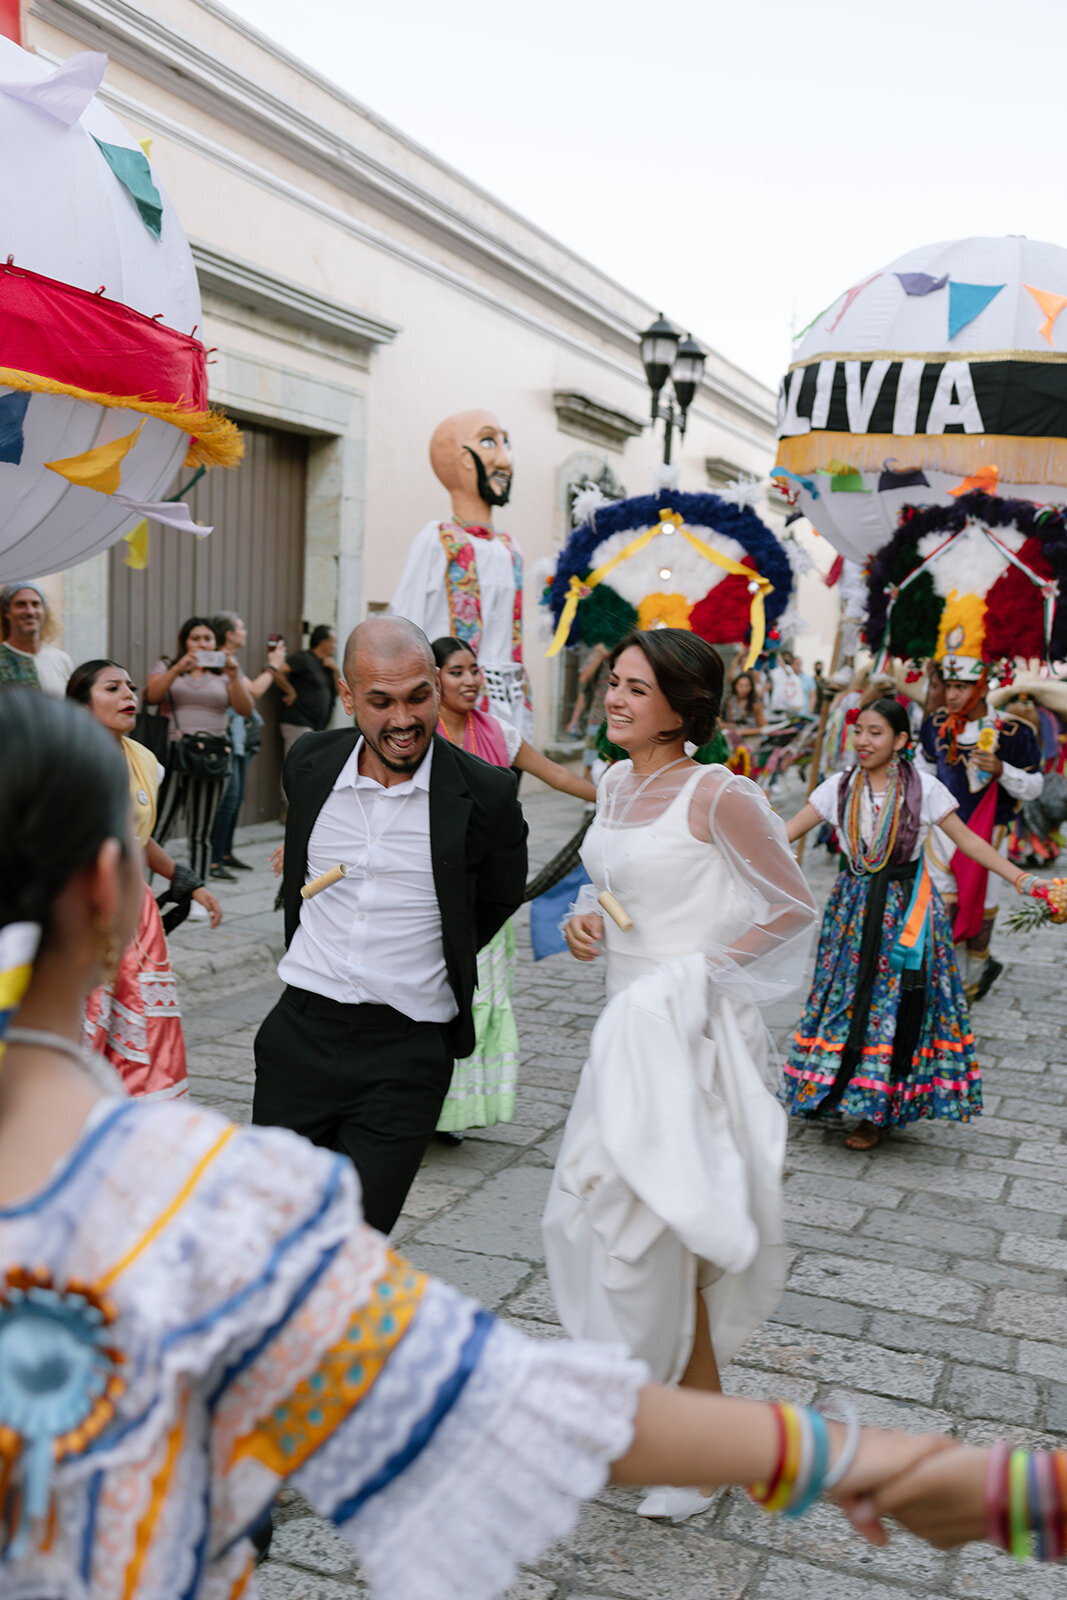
[[886, 1035]]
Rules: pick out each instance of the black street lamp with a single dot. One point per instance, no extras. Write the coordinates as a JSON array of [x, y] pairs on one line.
[[665, 354]]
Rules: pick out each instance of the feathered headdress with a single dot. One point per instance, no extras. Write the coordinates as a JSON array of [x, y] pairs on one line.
[[971, 585]]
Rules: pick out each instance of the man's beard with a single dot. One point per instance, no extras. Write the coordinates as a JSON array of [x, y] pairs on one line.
[[491, 495], [391, 762]]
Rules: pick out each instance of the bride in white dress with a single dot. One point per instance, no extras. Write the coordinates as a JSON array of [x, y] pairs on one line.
[[663, 1227]]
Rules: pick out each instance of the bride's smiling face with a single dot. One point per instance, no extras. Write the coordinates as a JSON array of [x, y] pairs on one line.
[[636, 707]]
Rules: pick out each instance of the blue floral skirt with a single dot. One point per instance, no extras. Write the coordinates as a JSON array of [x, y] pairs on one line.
[[942, 1077]]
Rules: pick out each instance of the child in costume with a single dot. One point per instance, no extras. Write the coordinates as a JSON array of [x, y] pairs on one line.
[[885, 1035]]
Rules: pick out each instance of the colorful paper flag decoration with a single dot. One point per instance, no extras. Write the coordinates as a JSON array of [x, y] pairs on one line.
[[101, 468], [12, 415], [133, 172], [909, 478], [138, 540], [857, 289], [66, 92], [985, 478], [146, 146], [920, 282], [1051, 304], [172, 514], [967, 301]]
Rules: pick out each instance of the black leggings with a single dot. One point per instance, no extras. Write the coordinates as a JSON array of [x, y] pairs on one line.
[[199, 798]]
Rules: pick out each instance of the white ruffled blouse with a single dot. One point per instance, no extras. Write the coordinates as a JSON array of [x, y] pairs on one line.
[[270, 1337]]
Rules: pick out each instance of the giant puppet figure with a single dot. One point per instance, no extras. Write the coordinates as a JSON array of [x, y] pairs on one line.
[[463, 577]]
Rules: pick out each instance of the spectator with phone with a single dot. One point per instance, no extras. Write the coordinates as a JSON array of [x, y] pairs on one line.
[[196, 689], [245, 735]]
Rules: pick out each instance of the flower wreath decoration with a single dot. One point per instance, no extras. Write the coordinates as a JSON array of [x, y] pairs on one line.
[[990, 569], [749, 577]]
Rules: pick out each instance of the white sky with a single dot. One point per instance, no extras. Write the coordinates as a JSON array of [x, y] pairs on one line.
[[736, 164]]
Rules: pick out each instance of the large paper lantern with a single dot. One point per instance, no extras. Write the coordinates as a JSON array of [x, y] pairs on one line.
[[103, 383], [946, 366], [670, 560]]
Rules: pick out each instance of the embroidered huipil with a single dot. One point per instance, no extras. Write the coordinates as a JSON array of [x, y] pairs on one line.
[[270, 1337], [468, 583]]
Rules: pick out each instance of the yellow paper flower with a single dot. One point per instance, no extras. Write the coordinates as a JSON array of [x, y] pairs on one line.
[[987, 740], [663, 611]]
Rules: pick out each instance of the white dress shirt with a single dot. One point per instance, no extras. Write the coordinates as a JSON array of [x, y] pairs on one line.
[[374, 937]]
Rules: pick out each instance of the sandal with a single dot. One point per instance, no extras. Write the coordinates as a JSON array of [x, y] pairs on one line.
[[867, 1136]]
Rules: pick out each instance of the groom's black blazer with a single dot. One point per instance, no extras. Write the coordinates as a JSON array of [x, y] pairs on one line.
[[477, 844]]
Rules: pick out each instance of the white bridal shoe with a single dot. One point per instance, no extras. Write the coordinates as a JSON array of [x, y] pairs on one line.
[[677, 1504]]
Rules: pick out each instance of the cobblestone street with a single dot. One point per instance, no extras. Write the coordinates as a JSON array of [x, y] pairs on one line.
[[926, 1280]]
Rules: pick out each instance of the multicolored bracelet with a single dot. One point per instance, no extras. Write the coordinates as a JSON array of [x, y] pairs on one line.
[[803, 1469], [1026, 1502]]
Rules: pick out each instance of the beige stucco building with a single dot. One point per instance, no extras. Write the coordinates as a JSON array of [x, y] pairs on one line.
[[357, 290]]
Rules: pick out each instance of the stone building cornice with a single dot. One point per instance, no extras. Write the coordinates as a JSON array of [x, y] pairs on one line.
[[175, 62]]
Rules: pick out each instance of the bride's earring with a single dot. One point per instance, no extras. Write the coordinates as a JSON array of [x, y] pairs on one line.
[[109, 951]]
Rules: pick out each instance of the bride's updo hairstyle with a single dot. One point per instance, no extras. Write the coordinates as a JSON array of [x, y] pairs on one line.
[[689, 673], [64, 790]]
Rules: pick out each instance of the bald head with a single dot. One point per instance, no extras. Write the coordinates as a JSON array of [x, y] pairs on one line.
[[471, 455], [388, 640], [390, 687]]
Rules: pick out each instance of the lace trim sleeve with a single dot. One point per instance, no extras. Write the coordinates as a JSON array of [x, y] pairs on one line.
[[531, 1434]]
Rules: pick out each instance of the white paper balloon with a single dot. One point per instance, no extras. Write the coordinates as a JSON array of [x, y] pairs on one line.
[[949, 360], [67, 216]]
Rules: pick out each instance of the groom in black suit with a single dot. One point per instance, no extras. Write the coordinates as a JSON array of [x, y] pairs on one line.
[[381, 966]]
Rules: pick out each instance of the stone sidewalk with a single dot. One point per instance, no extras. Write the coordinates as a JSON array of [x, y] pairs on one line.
[[926, 1280]]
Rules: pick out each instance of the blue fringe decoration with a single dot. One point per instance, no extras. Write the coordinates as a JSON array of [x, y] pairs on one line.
[[739, 523], [1046, 523]]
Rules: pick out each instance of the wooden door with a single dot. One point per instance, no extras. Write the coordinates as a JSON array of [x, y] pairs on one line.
[[253, 564]]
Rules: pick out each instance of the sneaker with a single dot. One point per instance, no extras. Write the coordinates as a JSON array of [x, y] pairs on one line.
[[220, 873], [198, 913], [237, 866]]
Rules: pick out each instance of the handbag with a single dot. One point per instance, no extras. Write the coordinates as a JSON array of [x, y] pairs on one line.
[[152, 729], [207, 756]]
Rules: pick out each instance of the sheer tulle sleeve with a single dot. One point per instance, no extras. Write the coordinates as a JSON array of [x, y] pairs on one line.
[[767, 960]]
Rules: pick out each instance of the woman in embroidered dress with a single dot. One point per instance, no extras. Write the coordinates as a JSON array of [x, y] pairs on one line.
[[134, 1018], [886, 1035], [663, 1228], [482, 1091], [193, 1316]]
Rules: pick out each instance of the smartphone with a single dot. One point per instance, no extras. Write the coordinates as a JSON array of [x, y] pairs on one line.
[[273, 639], [211, 660]]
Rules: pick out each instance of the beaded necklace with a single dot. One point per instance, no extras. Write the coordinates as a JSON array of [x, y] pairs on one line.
[[873, 857]]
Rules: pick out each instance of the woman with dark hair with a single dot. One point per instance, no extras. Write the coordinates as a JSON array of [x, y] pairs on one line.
[[196, 689], [886, 1035], [482, 1091], [133, 1017], [663, 1227], [194, 1316]]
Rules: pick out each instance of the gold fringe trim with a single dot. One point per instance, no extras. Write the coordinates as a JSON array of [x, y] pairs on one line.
[[215, 441], [973, 356], [1019, 459]]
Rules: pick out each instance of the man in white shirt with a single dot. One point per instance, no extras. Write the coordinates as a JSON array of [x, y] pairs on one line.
[[25, 623], [381, 966]]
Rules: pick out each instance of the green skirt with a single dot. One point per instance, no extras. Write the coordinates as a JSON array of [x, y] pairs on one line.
[[482, 1090]]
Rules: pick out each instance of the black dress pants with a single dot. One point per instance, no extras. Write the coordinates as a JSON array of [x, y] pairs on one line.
[[361, 1079]]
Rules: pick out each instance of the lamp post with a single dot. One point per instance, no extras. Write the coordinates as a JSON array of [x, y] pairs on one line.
[[665, 354]]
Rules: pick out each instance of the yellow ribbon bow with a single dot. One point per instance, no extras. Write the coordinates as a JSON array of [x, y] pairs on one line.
[[669, 522]]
